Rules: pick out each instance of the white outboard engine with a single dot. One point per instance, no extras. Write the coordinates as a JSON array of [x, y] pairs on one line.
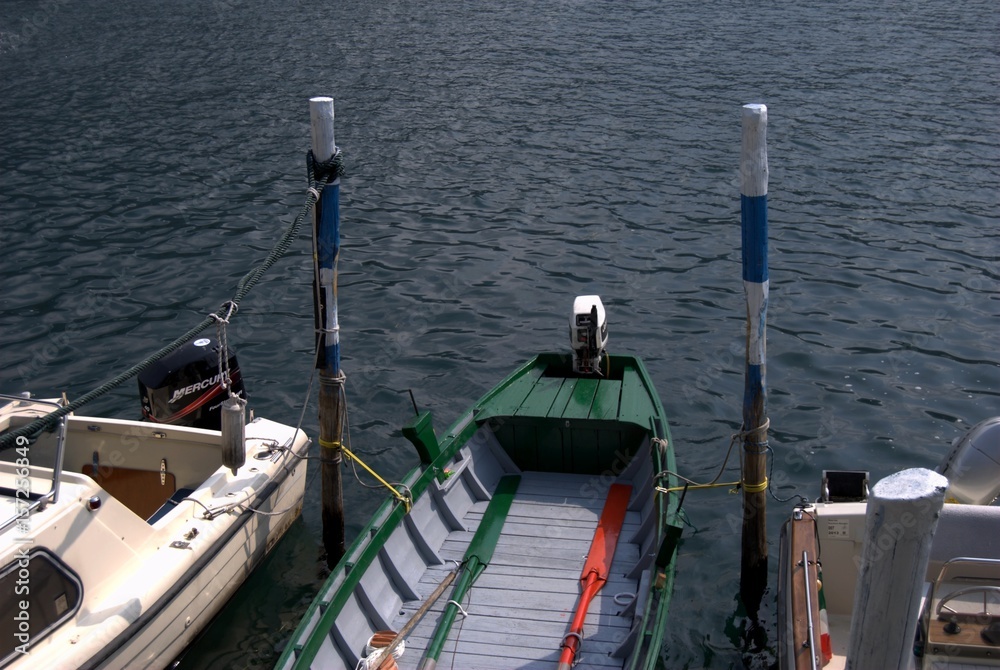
[[973, 465], [588, 333]]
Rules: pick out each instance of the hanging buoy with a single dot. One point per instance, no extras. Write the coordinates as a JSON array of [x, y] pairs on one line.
[[234, 451]]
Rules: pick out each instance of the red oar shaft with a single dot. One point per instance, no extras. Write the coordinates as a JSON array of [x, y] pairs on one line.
[[571, 641], [597, 566]]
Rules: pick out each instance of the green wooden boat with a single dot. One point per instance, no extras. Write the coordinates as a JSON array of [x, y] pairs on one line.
[[483, 570]]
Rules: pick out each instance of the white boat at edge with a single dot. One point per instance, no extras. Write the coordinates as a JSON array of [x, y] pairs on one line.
[[109, 584], [959, 611]]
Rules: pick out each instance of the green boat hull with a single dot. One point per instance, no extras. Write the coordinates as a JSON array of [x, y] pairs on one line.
[[569, 437]]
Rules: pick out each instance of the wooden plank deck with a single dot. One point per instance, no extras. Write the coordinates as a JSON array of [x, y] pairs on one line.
[[522, 605]]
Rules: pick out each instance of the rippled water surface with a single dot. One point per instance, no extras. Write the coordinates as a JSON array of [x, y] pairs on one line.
[[503, 158]]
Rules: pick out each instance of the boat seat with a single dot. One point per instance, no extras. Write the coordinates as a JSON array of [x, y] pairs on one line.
[[172, 502], [964, 530]]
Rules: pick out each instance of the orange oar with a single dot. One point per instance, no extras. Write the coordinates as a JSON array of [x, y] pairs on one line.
[[595, 570]]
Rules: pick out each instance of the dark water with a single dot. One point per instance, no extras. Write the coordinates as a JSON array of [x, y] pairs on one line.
[[502, 159]]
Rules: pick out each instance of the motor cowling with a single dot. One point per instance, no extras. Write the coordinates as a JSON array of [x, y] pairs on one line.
[[973, 465], [184, 388], [588, 333]]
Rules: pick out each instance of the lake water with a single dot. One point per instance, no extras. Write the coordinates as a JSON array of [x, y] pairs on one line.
[[503, 158]]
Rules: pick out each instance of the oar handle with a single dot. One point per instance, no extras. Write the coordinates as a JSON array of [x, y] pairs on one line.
[[574, 638]]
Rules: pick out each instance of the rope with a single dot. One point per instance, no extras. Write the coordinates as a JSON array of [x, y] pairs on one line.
[[327, 172], [399, 496], [753, 436], [802, 499], [459, 606], [755, 488], [714, 484], [762, 448], [579, 640], [720, 485], [759, 429], [624, 598], [223, 335], [694, 484]]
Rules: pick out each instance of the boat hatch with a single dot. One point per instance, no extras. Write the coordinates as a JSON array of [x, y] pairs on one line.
[[56, 597]]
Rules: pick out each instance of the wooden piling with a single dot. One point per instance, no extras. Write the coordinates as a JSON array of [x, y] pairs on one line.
[[753, 209], [902, 516], [326, 251]]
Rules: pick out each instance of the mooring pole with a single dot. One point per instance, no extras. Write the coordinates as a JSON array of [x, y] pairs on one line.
[[902, 516], [753, 209], [326, 250]]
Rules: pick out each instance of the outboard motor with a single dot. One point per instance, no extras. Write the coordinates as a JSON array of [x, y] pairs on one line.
[[973, 465], [185, 387], [588, 334]]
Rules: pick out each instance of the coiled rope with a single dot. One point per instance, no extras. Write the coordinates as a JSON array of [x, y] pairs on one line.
[[320, 175]]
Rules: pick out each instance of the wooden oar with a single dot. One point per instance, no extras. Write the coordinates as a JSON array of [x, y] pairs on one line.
[[598, 565], [477, 557], [386, 652]]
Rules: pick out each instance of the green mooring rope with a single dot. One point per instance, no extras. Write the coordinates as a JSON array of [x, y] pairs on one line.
[[320, 175]]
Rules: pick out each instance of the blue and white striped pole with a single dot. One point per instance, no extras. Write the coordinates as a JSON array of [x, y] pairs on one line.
[[327, 237], [326, 250], [753, 209]]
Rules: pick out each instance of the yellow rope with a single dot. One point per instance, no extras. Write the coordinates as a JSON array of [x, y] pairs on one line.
[[329, 445], [399, 496], [755, 488]]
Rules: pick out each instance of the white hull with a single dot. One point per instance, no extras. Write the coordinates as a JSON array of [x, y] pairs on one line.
[[148, 589]]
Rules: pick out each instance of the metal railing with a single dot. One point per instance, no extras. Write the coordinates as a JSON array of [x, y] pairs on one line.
[[26, 501]]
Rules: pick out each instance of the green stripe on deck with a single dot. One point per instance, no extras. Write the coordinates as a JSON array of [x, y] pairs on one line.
[[486, 537], [477, 557]]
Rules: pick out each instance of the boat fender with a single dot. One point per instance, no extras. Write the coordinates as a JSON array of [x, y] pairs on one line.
[[234, 450]]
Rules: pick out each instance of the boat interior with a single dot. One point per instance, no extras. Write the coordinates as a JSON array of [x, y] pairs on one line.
[[145, 466], [519, 611]]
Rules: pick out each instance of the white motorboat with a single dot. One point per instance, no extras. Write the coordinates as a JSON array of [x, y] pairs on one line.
[[122, 539], [824, 549]]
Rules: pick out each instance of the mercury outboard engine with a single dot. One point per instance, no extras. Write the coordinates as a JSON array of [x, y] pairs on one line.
[[588, 333], [185, 388]]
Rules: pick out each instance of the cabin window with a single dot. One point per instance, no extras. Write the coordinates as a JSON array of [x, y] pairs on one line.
[[38, 592]]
